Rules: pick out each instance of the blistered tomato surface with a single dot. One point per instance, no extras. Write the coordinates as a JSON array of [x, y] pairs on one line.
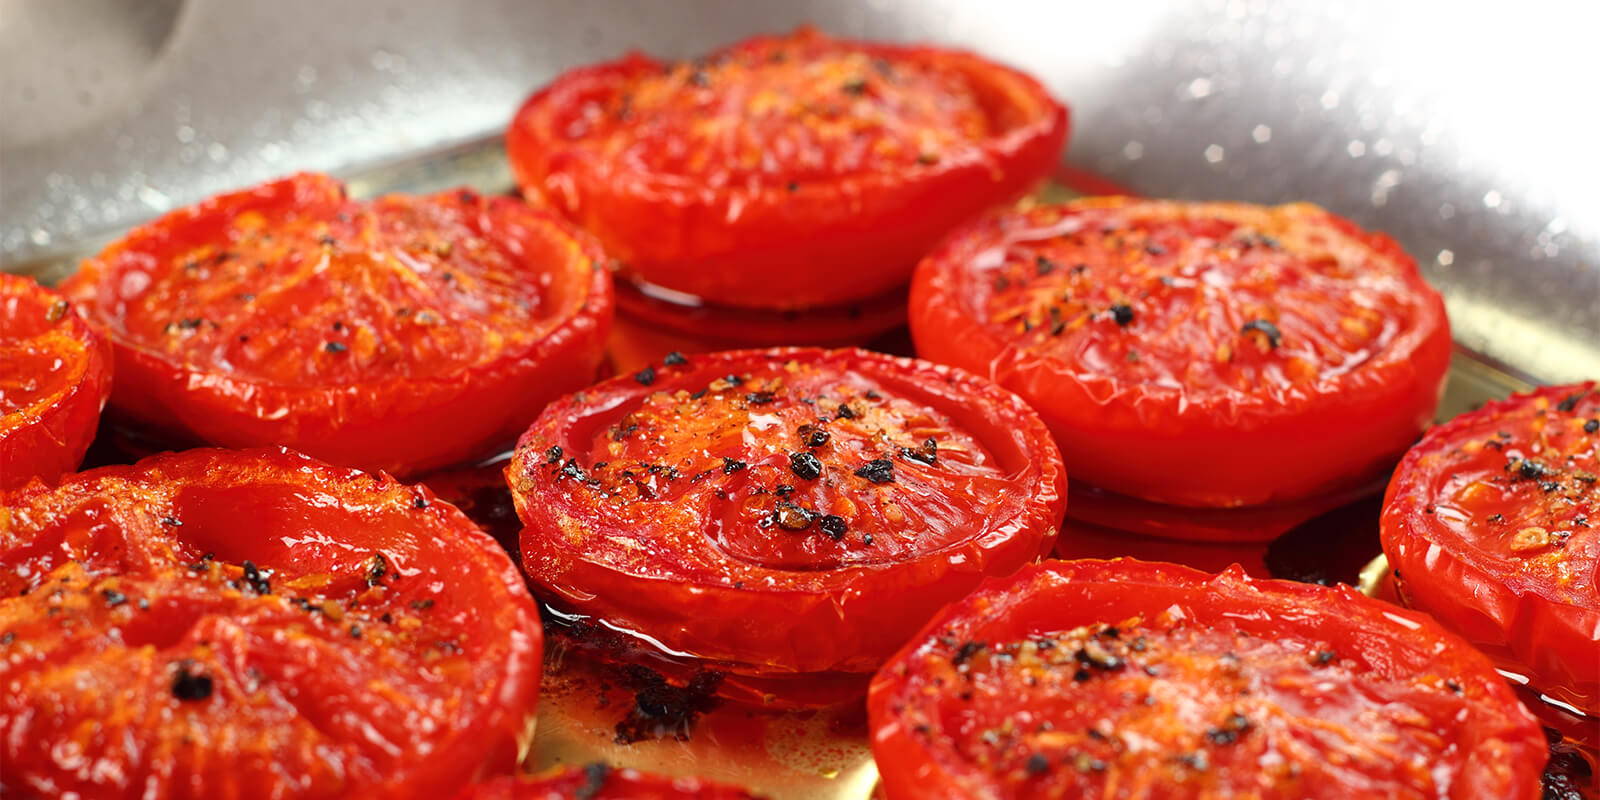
[[1211, 355], [55, 375], [256, 624], [1133, 679], [403, 333], [782, 511], [783, 171], [1489, 525]]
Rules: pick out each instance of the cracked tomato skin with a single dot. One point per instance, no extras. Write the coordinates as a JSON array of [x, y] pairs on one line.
[[1194, 354], [783, 171], [1490, 525], [782, 512], [601, 782], [55, 376], [1141, 680], [252, 624], [403, 333]]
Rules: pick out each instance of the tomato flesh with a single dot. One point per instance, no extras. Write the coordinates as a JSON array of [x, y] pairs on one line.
[[802, 510], [1490, 523], [1125, 678], [256, 624], [601, 782], [1211, 355], [55, 375], [289, 314], [784, 171]]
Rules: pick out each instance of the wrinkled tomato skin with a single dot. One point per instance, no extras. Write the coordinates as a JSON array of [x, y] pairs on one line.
[[725, 582], [1508, 558], [1313, 693], [55, 376], [601, 782], [532, 305], [780, 237], [256, 624], [1151, 367]]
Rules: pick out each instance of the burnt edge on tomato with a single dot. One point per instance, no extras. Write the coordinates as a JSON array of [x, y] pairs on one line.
[[852, 159], [1208, 355], [600, 781], [1490, 526], [813, 490], [403, 333], [55, 377], [1071, 677], [209, 605]]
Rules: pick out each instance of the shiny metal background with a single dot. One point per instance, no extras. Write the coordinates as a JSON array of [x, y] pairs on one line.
[[1467, 130]]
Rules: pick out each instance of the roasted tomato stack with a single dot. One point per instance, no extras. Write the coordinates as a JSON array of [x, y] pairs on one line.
[[780, 190], [744, 531], [784, 518], [1212, 372]]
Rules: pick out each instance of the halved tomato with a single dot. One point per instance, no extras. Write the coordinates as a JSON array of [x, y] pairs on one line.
[[600, 781], [1130, 679], [256, 624], [55, 375], [1213, 355], [782, 513], [403, 333], [1490, 525], [783, 171]]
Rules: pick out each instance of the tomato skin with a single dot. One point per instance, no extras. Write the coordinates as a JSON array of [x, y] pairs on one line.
[[257, 623], [1484, 743], [1177, 399], [1451, 524], [600, 782], [440, 380], [786, 237], [724, 584], [45, 436]]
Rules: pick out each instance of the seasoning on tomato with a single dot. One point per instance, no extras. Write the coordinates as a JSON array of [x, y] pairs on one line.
[[1195, 354], [600, 781], [1490, 526], [403, 333], [1133, 679], [782, 513], [55, 375], [254, 624], [783, 171]]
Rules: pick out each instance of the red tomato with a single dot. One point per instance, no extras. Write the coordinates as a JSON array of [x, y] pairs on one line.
[[599, 781], [1245, 524], [784, 171], [1211, 355], [782, 512], [1490, 526], [256, 624], [403, 334], [55, 375], [1131, 679]]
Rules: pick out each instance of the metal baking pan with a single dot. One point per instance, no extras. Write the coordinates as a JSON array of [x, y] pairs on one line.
[[1454, 128]]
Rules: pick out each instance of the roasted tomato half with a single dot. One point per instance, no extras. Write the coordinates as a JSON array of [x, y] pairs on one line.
[[1210, 355], [403, 333], [1491, 526], [1130, 679], [255, 624], [55, 375], [784, 171], [782, 512], [599, 781]]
